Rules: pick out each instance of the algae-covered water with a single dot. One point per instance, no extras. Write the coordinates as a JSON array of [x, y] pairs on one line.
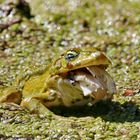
[[32, 34]]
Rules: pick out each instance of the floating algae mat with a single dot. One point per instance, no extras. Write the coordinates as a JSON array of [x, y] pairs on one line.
[[31, 35]]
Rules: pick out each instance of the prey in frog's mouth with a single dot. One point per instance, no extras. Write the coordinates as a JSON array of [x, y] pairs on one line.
[[89, 84]]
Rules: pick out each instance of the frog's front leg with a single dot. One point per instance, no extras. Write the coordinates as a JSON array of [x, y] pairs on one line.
[[36, 106], [39, 103]]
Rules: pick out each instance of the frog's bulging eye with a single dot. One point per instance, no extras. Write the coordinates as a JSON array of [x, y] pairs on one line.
[[71, 55]]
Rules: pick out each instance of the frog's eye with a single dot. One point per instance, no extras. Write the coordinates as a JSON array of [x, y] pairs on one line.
[[71, 55]]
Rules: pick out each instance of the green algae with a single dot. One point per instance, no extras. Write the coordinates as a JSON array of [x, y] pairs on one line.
[[30, 44]]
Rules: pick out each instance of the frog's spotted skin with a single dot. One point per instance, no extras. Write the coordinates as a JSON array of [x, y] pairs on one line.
[[77, 77]]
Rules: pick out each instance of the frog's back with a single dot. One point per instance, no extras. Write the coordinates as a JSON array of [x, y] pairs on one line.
[[34, 85]]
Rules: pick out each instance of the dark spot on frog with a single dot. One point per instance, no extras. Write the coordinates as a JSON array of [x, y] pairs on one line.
[[48, 100], [76, 100], [74, 83], [86, 97], [73, 101]]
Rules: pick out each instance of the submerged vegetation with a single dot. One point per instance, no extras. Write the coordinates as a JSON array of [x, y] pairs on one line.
[[39, 31]]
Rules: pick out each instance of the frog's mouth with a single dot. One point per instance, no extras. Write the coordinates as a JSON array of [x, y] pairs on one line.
[[92, 81]]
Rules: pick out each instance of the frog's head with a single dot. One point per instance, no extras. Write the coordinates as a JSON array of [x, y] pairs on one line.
[[77, 58]]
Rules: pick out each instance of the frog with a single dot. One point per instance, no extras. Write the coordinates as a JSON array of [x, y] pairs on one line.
[[77, 77]]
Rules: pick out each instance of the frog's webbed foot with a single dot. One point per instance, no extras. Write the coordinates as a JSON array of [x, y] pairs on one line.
[[36, 106], [10, 94]]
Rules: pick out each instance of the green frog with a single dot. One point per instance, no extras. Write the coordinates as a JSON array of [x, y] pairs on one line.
[[77, 77]]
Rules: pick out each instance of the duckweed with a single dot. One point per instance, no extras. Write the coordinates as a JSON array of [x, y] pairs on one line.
[[29, 40]]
